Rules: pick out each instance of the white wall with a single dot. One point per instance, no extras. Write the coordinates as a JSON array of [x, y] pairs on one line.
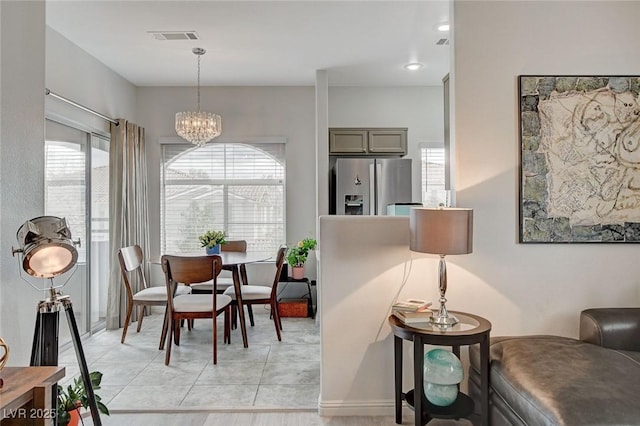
[[535, 288], [322, 142], [365, 265], [419, 108], [22, 162], [72, 73], [76, 75]]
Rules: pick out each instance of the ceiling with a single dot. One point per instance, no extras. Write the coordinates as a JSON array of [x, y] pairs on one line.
[[361, 43]]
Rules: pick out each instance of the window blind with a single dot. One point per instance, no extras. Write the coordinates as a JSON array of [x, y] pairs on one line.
[[235, 187], [433, 177], [65, 188]]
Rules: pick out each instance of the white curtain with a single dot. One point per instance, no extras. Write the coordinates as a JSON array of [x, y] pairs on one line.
[[129, 210]]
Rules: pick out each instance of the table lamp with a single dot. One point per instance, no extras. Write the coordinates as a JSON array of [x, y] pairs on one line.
[[441, 231]]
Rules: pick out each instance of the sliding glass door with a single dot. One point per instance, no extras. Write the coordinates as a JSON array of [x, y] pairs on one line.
[[76, 188]]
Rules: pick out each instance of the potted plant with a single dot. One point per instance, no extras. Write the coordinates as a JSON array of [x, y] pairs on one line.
[[211, 240], [75, 396], [297, 256]]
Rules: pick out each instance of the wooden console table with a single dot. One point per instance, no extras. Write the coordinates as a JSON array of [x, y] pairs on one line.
[[28, 394]]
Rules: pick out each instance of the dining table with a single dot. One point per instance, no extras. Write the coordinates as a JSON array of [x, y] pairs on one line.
[[231, 261]]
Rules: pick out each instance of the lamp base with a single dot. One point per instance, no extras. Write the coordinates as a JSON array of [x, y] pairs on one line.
[[444, 321]]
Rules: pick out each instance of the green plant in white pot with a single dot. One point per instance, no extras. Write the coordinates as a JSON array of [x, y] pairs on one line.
[[212, 240], [297, 256]]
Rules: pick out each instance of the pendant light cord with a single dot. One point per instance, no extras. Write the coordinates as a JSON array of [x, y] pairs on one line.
[[199, 83]]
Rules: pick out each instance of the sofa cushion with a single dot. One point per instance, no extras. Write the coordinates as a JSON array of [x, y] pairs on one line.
[[613, 328], [551, 380]]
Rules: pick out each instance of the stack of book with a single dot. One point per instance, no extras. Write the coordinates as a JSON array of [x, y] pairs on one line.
[[412, 311]]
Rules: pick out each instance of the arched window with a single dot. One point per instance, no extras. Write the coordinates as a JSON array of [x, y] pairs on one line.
[[235, 187]]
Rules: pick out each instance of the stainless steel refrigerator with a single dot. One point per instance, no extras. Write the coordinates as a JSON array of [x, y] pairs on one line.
[[365, 186]]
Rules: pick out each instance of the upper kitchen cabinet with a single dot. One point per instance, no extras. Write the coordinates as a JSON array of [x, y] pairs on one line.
[[369, 142]]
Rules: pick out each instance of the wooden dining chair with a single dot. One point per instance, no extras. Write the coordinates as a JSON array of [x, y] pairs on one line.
[[261, 294], [226, 281], [131, 265], [188, 271]]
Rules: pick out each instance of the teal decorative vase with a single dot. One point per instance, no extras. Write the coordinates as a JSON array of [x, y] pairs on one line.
[[213, 250], [442, 373], [441, 395]]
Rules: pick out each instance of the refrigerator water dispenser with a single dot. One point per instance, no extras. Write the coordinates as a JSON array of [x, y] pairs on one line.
[[353, 205]]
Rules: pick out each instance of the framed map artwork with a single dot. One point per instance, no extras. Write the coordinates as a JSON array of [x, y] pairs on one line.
[[579, 159]]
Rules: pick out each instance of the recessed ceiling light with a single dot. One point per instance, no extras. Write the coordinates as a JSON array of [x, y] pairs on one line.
[[413, 66], [443, 27]]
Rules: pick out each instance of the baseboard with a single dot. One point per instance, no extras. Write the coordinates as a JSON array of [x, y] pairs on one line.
[[209, 410], [356, 408]]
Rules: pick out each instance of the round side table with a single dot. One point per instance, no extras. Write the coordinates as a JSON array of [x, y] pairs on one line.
[[471, 329]]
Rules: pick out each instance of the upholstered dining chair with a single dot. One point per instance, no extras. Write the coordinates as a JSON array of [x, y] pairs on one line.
[[188, 271], [224, 282], [261, 294], [132, 265]]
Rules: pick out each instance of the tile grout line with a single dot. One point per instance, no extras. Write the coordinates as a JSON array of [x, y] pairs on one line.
[[255, 397], [193, 385]]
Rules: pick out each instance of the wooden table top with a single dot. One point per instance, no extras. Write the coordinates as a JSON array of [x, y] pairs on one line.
[[468, 325], [19, 383]]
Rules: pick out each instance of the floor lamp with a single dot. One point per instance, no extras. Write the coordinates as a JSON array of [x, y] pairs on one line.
[[441, 231], [47, 251]]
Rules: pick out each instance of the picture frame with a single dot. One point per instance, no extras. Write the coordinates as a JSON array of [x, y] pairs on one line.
[[579, 159]]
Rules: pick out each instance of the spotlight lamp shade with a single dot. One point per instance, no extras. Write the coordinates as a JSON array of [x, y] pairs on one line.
[[198, 127], [442, 231], [46, 246]]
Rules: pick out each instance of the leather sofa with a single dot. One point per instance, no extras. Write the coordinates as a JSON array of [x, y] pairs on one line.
[[552, 380]]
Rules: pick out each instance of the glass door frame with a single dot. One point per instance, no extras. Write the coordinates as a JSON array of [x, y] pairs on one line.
[[94, 140]]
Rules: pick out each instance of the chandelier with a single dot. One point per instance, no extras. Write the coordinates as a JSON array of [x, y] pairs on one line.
[[198, 127]]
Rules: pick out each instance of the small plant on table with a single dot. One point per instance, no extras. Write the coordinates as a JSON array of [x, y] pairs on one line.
[[212, 238]]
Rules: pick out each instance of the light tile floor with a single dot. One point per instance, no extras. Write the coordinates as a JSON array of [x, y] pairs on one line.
[[259, 419], [266, 375]]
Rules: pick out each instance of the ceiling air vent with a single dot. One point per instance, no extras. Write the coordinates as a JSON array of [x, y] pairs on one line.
[[174, 35], [443, 42]]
